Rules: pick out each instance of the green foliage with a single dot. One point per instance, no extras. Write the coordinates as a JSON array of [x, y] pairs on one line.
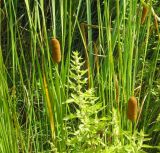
[[86, 131], [86, 136]]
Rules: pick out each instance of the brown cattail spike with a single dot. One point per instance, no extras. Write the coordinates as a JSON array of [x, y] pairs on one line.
[[132, 109], [56, 50], [144, 14]]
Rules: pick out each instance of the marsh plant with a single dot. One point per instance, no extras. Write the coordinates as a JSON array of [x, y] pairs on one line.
[[54, 100]]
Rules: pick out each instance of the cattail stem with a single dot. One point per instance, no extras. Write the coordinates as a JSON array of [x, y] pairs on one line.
[[48, 103], [86, 53], [96, 58], [133, 126]]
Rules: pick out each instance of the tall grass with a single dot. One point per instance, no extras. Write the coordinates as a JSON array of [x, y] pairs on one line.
[[121, 58]]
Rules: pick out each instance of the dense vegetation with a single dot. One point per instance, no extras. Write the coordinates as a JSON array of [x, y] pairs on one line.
[[79, 76]]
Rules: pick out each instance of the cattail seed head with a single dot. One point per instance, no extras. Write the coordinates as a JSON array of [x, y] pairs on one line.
[[144, 14], [56, 50], [132, 109]]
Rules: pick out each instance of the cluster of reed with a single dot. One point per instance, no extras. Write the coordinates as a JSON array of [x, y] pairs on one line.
[[132, 102]]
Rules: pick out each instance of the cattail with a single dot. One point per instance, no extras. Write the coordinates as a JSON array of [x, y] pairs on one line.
[[144, 14], [132, 109], [56, 50]]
